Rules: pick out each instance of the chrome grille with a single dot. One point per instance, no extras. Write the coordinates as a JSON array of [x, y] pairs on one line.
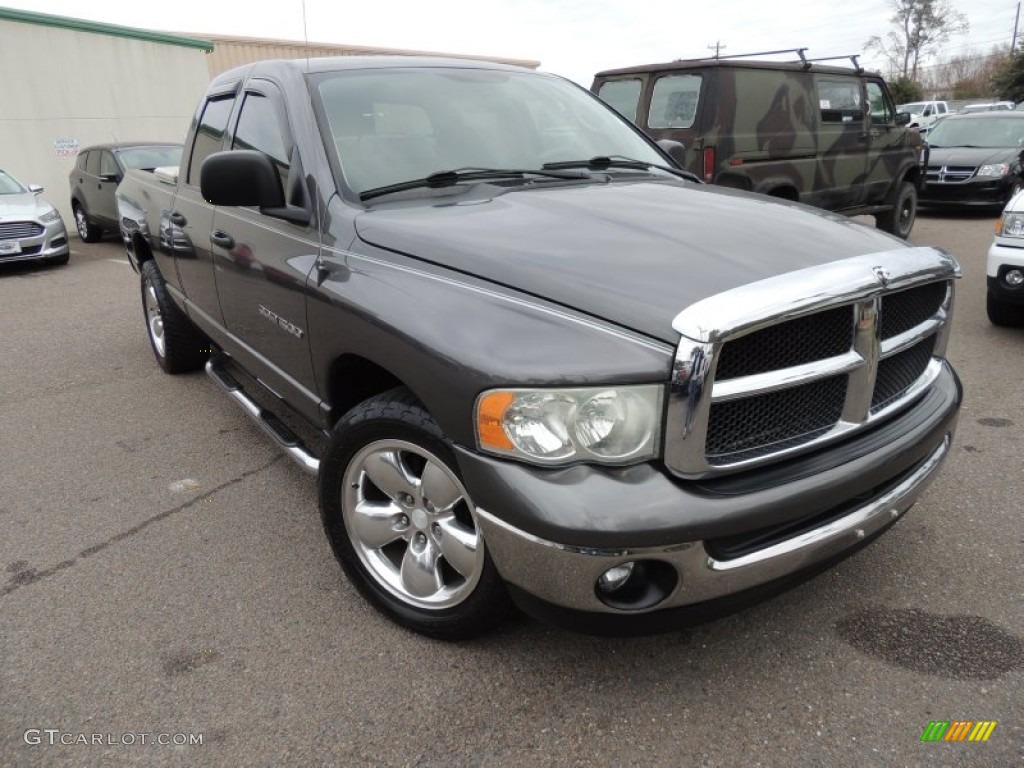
[[949, 174], [778, 367], [17, 230]]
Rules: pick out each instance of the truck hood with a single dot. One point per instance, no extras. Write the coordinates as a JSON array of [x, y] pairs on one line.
[[632, 253]]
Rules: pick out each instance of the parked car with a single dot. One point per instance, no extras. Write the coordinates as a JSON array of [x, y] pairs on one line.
[[98, 171], [974, 160], [995, 106], [823, 135], [30, 228], [532, 358], [1005, 267], [923, 114]]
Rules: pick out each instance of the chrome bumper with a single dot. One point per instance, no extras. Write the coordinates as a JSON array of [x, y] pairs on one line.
[[566, 575]]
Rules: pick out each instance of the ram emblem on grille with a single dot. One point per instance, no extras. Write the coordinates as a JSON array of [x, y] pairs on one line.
[[882, 275]]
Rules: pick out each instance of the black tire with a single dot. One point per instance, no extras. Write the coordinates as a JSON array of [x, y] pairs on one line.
[[1017, 187], [1003, 314], [394, 430], [899, 220], [177, 345], [89, 232]]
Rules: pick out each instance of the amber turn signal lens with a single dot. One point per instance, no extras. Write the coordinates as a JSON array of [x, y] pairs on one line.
[[490, 416]]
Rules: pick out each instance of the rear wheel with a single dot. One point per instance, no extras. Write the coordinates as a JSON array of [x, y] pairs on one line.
[[1003, 313], [177, 345], [899, 220], [403, 525], [88, 231]]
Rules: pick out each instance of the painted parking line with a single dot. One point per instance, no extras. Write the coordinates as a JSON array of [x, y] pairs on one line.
[[120, 261]]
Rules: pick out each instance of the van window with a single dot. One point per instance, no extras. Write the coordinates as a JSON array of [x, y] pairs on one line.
[[674, 101], [881, 108], [623, 96], [839, 100]]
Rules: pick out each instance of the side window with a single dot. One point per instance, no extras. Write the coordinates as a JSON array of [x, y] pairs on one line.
[[674, 101], [92, 163], [623, 96], [839, 100], [882, 111], [260, 127], [209, 135], [82, 158], [942, 108], [108, 166]]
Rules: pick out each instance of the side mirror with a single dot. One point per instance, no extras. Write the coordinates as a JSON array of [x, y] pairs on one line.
[[35, 189], [673, 149], [246, 177], [115, 177], [902, 118]]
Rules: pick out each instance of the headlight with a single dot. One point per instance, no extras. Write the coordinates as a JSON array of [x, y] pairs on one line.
[[993, 171], [610, 425], [50, 215], [1011, 225]]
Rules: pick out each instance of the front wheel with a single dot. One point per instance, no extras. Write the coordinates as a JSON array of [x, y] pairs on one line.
[[403, 525], [899, 219]]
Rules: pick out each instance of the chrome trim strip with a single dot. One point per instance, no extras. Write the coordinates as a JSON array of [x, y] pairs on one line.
[[915, 335], [566, 575], [793, 294], [756, 384]]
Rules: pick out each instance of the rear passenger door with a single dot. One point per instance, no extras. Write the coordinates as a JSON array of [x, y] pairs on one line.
[[262, 262], [103, 205]]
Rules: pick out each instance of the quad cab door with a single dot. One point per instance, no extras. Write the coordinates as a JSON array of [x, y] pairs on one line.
[[262, 262]]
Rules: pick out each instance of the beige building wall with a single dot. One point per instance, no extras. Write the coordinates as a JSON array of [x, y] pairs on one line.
[[76, 87], [229, 52]]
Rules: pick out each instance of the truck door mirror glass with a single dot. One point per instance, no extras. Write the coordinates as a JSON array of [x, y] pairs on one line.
[[241, 177], [674, 149], [902, 118]]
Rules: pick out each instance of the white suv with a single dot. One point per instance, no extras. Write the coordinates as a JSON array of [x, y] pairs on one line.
[[1005, 269]]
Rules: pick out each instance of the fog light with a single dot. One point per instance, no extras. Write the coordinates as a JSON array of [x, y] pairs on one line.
[[615, 578], [1014, 278]]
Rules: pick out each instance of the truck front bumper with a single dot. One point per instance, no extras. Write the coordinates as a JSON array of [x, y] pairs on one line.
[[554, 534]]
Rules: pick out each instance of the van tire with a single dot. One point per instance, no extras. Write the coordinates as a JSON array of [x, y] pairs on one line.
[[899, 220]]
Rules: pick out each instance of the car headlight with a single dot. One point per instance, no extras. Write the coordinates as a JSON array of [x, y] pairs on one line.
[[609, 425], [51, 215], [993, 171], [1011, 225]]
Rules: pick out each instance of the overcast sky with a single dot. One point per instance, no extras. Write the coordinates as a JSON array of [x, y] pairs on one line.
[[574, 38]]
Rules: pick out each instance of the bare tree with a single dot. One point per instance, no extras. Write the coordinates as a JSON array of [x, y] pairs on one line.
[[920, 26]]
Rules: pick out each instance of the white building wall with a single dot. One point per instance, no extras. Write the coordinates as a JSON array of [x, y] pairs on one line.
[[62, 89]]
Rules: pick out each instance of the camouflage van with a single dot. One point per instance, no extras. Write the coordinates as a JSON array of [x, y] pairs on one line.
[[823, 135]]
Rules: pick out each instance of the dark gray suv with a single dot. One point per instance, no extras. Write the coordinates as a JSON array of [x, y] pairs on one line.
[[96, 175]]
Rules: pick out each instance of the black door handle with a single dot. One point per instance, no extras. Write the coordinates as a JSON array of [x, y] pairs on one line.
[[223, 239], [178, 220]]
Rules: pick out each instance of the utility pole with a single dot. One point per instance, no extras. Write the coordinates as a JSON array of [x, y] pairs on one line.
[[718, 43], [1013, 43]]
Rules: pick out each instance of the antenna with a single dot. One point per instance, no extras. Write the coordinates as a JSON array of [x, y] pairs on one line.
[[305, 34]]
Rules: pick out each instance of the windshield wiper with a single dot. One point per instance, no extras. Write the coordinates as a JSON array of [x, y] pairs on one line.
[[601, 162], [451, 178]]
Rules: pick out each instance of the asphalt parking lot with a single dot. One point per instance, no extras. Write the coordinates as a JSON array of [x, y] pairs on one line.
[[163, 572]]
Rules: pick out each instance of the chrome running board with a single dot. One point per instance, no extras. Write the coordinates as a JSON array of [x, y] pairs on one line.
[[268, 422]]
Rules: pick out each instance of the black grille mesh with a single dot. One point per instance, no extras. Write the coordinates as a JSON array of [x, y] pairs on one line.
[[904, 310], [753, 426], [898, 372], [804, 340]]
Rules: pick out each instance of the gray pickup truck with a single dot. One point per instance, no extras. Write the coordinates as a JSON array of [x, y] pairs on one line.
[[527, 357]]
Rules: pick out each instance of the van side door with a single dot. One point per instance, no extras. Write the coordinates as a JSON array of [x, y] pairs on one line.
[[888, 149], [842, 140]]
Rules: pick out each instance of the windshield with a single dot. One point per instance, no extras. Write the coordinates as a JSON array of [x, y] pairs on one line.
[[150, 157], [916, 107], [9, 185], [988, 132], [390, 126]]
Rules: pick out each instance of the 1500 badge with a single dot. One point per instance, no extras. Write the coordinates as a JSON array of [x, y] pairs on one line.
[[273, 317]]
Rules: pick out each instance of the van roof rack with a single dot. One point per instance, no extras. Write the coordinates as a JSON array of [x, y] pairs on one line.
[[806, 62]]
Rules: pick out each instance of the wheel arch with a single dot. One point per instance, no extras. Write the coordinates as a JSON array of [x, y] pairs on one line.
[[353, 378]]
